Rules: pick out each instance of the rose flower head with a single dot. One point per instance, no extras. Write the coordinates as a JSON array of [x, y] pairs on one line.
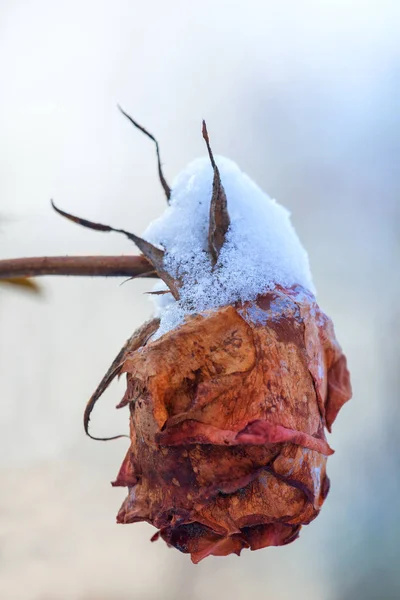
[[231, 386]]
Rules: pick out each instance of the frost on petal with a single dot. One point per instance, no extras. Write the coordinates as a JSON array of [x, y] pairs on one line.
[[261, 248]]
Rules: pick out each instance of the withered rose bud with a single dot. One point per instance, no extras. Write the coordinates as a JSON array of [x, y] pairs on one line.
[[231, 389], [227, 417]]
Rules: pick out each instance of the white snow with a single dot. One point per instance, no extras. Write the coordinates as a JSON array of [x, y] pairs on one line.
[[261, 248]]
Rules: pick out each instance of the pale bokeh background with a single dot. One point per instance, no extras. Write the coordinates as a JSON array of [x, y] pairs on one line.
[[305, 97]]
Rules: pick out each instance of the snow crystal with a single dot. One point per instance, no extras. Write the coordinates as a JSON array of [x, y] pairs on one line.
[[261, 247]]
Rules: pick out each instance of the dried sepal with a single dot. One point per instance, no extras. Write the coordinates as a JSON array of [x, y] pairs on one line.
[[137, 340], [219, 216], [164, 184], [152, 253]]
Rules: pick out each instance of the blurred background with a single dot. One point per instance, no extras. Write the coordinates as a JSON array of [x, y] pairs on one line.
[[304, 96]]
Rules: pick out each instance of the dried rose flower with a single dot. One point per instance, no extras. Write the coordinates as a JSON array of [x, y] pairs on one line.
[[230, 393], [227, 425]]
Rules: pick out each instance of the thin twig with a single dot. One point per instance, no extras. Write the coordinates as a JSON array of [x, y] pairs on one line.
[[92, 266]]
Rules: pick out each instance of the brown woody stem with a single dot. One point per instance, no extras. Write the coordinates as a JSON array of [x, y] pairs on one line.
[[92, 266]]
